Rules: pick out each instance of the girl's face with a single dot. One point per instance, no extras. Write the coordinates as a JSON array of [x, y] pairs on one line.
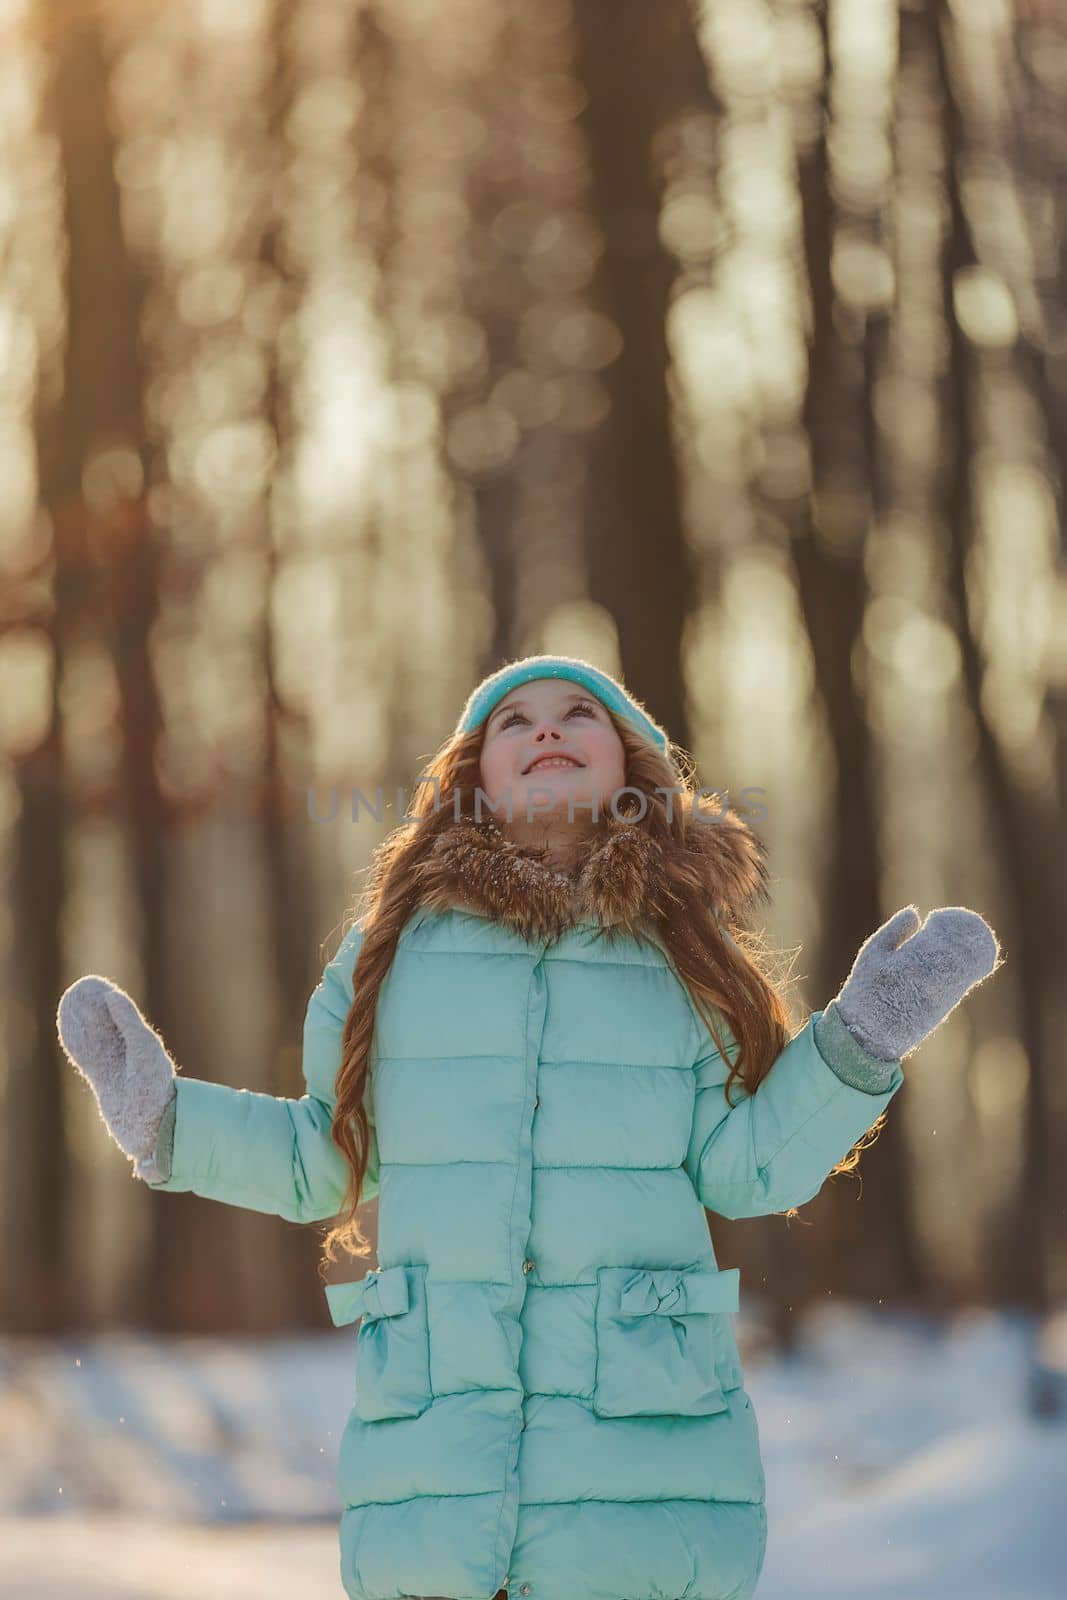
[[548, 743]]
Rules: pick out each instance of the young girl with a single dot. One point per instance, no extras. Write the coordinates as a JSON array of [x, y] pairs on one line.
[[548, 1045]]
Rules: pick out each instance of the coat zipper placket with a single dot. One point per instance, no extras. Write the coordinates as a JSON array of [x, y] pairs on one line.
[[523, 1264]]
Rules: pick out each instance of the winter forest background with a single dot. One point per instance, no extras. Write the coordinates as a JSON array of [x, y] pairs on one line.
[[350, 347]]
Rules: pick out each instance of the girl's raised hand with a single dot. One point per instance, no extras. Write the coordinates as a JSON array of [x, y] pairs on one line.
[[124, 1060], [907, 978]]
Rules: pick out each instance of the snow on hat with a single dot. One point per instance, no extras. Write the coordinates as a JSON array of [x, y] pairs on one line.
[[493, 689]]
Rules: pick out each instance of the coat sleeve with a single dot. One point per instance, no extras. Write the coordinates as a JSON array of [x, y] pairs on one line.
[[267, 1153], [775, 1147]]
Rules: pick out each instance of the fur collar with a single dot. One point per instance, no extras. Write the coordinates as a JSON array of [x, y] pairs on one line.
[[624, 882]]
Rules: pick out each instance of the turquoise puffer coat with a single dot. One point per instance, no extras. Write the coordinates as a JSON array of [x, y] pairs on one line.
[[548, 1394]]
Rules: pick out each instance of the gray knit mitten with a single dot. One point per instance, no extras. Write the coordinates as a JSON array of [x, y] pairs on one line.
[[127, 1067], [907, 978]]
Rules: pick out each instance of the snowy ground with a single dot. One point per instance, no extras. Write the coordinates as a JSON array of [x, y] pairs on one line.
[[901, 1464]]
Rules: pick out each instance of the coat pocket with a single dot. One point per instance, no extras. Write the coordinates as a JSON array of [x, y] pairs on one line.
[[659, 1349], [392, 1346]]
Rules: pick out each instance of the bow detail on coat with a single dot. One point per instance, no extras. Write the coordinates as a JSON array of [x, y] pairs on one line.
[[380, 1294], [673, 1292]]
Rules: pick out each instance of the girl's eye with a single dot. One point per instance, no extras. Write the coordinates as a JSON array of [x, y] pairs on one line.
[[581, 705]]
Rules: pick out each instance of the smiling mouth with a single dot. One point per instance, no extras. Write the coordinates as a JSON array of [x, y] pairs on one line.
[[552, 761]]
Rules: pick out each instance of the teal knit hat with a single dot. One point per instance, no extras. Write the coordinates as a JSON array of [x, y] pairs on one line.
[[492, 690]]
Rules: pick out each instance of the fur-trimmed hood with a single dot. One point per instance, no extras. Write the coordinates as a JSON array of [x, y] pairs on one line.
[[624, 880]]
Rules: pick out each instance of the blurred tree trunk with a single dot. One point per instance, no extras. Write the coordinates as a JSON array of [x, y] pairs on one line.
[[1041, 155], [35, 1179], [876, 1249], [1032, 849], [109, 542], [284, 1254], [492, 294], [105, 409], [642, 70]]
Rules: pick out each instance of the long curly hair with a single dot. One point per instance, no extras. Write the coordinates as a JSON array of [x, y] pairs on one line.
[[731, 980]]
